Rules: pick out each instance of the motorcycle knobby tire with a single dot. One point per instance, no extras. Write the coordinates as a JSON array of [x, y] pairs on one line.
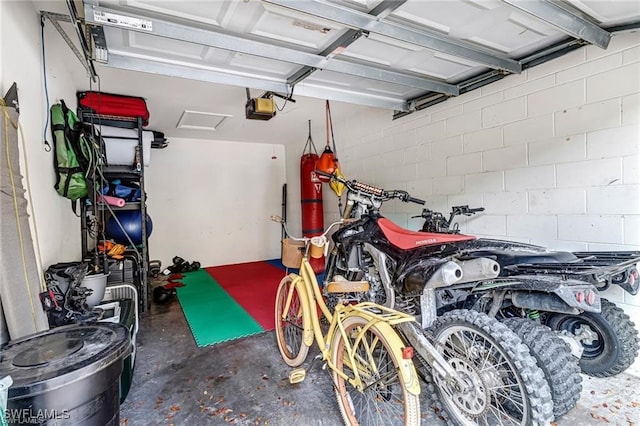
[[554, 357], [537, 400], [614, 344]]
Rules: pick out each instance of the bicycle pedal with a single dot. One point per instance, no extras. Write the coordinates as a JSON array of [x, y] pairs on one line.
[[297, 375]]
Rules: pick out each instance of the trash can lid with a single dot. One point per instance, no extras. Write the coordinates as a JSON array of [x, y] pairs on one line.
[[57, 357]]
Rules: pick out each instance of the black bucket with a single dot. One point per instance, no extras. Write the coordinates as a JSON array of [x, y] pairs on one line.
[[66, 376]]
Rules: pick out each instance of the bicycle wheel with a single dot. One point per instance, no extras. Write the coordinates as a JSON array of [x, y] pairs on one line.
[[385, 399], [290, 325]]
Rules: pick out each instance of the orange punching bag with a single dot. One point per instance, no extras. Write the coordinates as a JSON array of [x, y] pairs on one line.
[[311, 199]]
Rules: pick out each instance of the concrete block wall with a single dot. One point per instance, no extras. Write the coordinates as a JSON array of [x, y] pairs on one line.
[[552, 154]]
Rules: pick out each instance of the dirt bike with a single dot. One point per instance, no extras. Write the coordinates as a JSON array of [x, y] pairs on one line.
[[489, 376], [608, 338]]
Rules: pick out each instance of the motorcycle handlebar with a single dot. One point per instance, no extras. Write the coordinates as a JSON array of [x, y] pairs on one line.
[[356, 186], [465, 210], [370, 189], [416, 200]]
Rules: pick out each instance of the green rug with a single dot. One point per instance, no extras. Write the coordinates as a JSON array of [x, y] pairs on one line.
[[211, 313]]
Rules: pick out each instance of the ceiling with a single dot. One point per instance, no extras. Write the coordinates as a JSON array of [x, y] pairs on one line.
[[401, 55]]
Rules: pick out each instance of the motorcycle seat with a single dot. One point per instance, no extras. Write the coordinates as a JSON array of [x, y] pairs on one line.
[[507, 258], [406, 239]]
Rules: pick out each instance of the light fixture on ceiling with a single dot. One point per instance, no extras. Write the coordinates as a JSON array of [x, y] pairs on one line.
[[200, 120]]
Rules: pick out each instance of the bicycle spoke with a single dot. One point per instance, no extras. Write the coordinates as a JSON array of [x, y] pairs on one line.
[[382, 398]]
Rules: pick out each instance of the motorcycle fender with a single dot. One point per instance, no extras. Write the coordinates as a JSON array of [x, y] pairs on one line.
[[562, 300], [542, 302], [406, 367], [546, 293]]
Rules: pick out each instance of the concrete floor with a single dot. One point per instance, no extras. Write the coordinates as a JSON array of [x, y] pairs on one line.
[[245, 382]]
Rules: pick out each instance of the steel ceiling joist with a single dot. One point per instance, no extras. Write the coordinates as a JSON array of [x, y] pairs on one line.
[[571, 23], [201, 74], [108, 17], [304, 89], [349, 36], [343, 41], [373, 24]]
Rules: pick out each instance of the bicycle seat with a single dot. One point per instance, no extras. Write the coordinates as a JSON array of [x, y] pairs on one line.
[[342, 285]]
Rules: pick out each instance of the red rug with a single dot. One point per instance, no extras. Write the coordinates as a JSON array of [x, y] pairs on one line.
[[253, 286]]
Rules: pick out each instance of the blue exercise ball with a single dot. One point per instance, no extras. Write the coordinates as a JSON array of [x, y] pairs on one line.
[[131, 225]]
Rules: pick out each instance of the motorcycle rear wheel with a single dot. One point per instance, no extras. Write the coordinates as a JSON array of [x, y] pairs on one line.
[[609, 338], [554, 357], [505, 385]]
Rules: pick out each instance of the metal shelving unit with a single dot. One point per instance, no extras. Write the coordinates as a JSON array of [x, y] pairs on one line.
[[101, 210]]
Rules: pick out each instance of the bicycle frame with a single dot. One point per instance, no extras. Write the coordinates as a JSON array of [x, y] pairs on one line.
[[384, 318]]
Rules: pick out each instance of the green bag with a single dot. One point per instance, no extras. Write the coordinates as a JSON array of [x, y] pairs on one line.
[[74, 157]]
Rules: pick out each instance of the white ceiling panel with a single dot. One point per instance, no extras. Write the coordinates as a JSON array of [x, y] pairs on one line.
[[346, 82], [295, 28], [211, 13], [407, 57], [610, 12], [261, 65], [403, 54], [161, 45], [491, 24]]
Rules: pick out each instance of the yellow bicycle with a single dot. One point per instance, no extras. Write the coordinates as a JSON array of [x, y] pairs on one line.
[[374, 377]]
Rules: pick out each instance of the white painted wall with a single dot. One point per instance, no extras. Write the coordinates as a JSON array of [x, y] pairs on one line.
[[552, 154], [21, 61], [210, 201], [1, 42]]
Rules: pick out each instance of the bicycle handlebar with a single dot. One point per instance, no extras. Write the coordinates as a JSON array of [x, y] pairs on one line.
[[304, 239], [355, 186]]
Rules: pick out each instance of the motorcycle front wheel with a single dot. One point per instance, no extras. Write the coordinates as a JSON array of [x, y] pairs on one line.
[[609, 338], [503, 383]]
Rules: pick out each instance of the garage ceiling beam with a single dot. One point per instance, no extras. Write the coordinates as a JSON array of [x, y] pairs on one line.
[[373, 24], [109, 17], [349, 36], [568, 21], [343, 41], [119, 61]]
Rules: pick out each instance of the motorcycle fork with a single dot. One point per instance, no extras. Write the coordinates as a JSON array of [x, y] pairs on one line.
[[431, 355]]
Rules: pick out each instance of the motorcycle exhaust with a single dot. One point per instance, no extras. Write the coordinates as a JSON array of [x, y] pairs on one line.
[[447, 274], [478, 269]]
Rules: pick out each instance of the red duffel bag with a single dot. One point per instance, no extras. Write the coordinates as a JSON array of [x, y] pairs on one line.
[[109, 104]]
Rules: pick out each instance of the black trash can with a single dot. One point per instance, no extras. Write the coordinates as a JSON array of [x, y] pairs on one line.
[[66, 376]]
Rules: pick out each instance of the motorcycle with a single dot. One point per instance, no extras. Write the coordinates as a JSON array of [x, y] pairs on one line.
[[608, 338], [481, 372]]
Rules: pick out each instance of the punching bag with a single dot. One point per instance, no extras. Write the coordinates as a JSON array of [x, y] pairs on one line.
[[311, 198], [311, 203]]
